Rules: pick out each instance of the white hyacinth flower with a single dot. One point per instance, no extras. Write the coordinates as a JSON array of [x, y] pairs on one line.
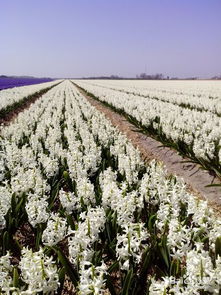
[[129, 243], [5, 203], [55, 231], [86, 234], [5, 270], [92, 279], [36, 210], [200, 274], [85, 191], [68, 201], [38, 271]]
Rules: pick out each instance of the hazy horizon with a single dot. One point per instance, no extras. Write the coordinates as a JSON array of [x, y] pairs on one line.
[[55, 38]]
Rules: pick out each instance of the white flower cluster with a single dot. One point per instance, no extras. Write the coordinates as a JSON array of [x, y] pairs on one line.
[[118, 199], [68, 201], [59, 143], [12, 95], [80, 245], [128, 157], [129, 242], [92, 279], [56, 230], [36, 208], [202, 132], [203, 95], [201, 276], [5, 203], [82, 239], [38, 271], [183, 238], [5, 270], [31, 150]]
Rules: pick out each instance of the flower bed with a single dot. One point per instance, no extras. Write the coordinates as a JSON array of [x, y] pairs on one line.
[[79, 205]]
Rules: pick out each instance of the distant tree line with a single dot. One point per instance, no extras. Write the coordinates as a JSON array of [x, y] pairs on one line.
[[112, 77], [144, 76], [216, 77]]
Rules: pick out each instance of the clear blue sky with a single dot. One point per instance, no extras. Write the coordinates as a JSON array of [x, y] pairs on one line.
[[74, 38]]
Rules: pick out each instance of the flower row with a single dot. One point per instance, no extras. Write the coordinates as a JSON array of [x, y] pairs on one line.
[[79, 206], [9, 97], [196, 134]]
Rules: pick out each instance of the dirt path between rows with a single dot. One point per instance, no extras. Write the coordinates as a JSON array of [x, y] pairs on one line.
[[195, 177]]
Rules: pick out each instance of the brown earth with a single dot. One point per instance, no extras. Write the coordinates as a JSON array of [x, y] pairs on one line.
[[195, 177]]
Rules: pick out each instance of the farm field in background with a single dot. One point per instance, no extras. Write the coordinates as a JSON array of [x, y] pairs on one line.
[[184, 115], [10, 82], [12, 98], [80, 211]]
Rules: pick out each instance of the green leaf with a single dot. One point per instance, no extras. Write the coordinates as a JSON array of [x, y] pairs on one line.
[[146, 261], [175, 268], [13, 203], [15, 278], [218, 246], [151, 222], [164, 251], [114, 222], [97, 257], [108, 232], [70, 222], [18, 245], [67, 265], [18, 206], [38, 236], [127, 282], [61, 276], [214, 185], [164, 255], [5, 245]]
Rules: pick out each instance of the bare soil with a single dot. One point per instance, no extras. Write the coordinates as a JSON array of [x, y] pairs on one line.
[[195, 177]]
